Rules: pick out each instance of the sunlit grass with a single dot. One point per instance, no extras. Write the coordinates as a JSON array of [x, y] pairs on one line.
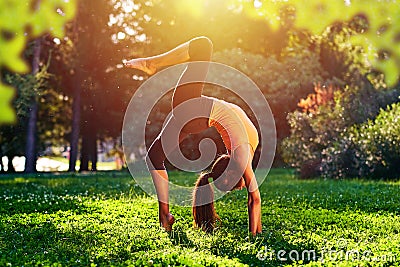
[[106, 219]]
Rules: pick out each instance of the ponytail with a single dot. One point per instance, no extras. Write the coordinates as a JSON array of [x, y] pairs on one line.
[[204, 213]]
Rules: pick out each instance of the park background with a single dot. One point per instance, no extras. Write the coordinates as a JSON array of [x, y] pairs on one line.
[[329, 80], [328, 69]]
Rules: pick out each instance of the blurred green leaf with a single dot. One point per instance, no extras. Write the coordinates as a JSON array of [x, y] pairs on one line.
[[15, 18], [10, 53], [384, 25], [14, 15], [390, 69], [316, 15], [7, 114]]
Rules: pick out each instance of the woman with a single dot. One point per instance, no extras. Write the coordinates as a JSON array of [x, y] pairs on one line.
[[229, 172]]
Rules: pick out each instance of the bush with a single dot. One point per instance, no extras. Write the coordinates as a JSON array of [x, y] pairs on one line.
[[317, 143], [313, 129], [371, 149]]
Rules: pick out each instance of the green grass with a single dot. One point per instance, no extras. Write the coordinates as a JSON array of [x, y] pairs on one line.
[[105, 219]]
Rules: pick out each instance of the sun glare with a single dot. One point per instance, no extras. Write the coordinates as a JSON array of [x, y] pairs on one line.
[[194, 7], [257, 4]]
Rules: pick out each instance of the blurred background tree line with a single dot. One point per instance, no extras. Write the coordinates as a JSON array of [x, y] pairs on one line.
[[329, 70]]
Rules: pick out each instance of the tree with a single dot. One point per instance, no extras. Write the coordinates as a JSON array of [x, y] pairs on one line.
[[30, 148], [89, 57], [42, 88]]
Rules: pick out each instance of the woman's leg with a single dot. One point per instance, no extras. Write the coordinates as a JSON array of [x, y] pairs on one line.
[[177, 55], [155, 158], [199, 49]]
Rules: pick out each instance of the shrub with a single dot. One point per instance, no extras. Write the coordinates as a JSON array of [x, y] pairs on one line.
[[371, 149], [318, 130], [313, 129]]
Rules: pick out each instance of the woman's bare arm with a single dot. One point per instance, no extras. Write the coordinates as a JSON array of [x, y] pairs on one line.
[[243, 155]]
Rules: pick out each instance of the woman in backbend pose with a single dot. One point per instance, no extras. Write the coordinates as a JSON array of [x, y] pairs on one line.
[[237, 131]]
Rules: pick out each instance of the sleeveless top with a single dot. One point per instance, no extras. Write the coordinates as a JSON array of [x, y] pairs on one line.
[[233, 125]]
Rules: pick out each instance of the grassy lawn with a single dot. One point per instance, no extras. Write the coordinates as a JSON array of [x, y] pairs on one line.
[[105, 219]]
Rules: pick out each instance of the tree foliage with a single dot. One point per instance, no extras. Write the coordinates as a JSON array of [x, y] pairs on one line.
[[52, 124], [19, 21], [378, 37]]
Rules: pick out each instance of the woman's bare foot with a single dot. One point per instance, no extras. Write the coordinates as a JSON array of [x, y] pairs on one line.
[[167, 221], [142, 64]]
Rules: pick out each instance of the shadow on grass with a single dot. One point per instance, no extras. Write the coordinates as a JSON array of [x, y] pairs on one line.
[[42, 244], [51, 193], [263, 250], [341, 195]]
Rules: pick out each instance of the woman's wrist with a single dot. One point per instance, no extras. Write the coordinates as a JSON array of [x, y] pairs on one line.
[[163, 208]]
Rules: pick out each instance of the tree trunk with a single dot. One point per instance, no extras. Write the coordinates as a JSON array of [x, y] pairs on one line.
[[94, 153], [76, 123], [89, 143], [30, 148], [1, 163], [88, 153], [84, 153], [10, 166]]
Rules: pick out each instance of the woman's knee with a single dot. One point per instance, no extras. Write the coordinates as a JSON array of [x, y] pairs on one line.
[[200, 49]]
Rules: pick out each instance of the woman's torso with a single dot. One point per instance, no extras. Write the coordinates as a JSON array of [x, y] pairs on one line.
[[230, 121], [232, 124]]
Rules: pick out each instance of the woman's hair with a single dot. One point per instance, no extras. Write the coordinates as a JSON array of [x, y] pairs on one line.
[[204, 213]]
